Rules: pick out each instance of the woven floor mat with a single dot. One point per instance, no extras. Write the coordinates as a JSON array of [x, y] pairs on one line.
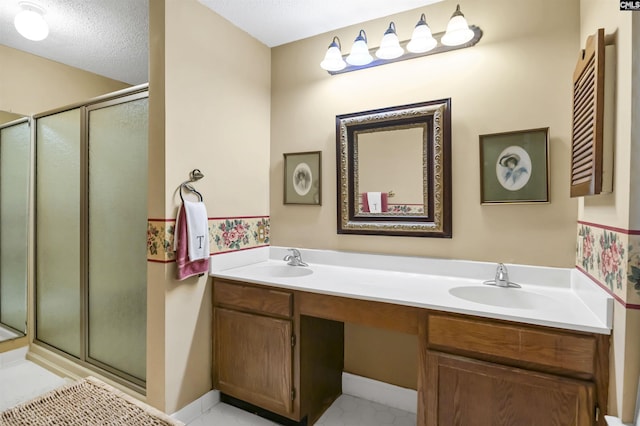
[[87, 402]]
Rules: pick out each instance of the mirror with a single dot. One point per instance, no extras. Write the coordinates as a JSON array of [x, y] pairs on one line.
[[394, 170], [15, 149]]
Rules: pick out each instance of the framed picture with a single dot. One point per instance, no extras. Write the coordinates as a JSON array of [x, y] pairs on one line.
[[514, 167], [302, 178]]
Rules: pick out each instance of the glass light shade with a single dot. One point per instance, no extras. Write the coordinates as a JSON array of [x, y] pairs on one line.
[[333, 59], [31, 24], [360, 51], [421, 40], [458, 31], [390, 45]]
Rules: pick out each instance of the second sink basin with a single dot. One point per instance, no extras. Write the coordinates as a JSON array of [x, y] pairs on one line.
[[283, 271], [515, 298]]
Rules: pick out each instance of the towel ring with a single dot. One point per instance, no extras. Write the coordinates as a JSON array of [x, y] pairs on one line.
[[195, 175]]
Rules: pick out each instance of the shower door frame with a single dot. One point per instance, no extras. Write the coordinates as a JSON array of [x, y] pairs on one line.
[[111, 99]]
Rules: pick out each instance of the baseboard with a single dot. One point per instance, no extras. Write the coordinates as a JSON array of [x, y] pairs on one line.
[[195, 409], [380, 392], [358, 386]]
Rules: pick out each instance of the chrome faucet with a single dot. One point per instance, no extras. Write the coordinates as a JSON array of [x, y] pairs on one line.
[[295, 258], [502, 278]]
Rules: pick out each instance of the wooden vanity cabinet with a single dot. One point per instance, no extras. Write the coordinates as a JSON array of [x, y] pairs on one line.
[[283, 351], [253, 350], [490, 372], [267, 355]]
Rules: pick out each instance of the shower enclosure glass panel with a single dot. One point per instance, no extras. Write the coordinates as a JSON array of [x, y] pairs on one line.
[[15, 147], [58, 231], [117, 236], [91, 234]]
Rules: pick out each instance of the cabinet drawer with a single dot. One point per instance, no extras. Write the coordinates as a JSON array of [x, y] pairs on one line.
[[571, 352], [264, 300]]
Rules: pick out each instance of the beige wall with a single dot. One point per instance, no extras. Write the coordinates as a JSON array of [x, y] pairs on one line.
[[6, 117], [156, 272], [30, 84], [215, 83], [619, 209], [517, 77], [612, 209]]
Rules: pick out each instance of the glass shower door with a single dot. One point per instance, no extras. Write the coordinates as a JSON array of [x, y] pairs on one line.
[[15, 149], [58, 296], [117, 293]]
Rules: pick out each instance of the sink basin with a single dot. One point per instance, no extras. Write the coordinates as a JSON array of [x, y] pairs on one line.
[[515, 298], [283, 271]]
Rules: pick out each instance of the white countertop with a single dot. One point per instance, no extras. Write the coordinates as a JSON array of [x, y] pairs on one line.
[[554, 297]]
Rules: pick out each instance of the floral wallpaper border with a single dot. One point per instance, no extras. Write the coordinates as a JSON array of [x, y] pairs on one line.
[[400, 208], [611, 257], [225, 235]]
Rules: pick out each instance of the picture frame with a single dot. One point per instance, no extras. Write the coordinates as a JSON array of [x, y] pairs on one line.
[[514, 167], [303, 178]]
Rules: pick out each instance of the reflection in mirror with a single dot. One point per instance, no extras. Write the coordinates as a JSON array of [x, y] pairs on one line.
[[15, 148], [394, 170]]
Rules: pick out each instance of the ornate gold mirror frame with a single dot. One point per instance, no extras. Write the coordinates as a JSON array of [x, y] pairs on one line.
[[431, 216]]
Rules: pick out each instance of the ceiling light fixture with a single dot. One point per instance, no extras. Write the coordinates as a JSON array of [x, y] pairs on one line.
[[457, 36], [30, 23]]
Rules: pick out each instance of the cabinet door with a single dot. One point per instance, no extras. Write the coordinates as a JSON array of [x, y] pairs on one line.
[[253, 359], [466, 392]]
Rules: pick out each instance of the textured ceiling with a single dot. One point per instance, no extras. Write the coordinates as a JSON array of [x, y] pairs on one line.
[[107, 37], [276, 22], [110, 37]]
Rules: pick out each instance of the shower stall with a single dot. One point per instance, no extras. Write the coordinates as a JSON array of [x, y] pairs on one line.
[[90, 234]]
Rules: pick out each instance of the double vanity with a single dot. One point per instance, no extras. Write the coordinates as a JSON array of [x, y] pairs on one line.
[[535, 355]]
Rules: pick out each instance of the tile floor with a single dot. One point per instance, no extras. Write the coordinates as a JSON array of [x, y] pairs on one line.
[[22, 380], [346, 411], [7, 334]]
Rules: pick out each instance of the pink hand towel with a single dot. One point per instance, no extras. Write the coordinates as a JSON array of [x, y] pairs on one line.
[[186, 268], [385, 202]]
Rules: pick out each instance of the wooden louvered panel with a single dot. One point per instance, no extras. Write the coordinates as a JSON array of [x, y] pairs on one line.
[[587, 130]]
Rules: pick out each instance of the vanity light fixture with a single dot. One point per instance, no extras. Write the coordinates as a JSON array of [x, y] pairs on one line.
[[421, 40], [390, 45], [333, 60], [30, 22], [360, 51], [458, 31], [457, 36]]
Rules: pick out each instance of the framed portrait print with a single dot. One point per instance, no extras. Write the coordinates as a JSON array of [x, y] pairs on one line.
[[302, 178], [514, 167]]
